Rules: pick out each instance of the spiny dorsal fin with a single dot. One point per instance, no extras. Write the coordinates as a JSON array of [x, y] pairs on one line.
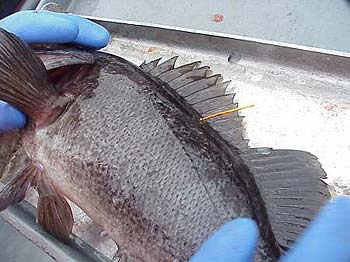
[[151, 65], [164, 67], [206, 94], [174, 74]]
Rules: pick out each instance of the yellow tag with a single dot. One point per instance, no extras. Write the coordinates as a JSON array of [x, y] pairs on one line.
[[224, 112]]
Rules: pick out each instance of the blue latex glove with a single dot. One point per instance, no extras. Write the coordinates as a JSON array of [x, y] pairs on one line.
[[326, 240], [48, 27]]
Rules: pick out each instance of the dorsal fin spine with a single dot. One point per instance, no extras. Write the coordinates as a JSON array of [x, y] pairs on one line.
[[206, 94]]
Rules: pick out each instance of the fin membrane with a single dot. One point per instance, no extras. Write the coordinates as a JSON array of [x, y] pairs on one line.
[[9, 144], [291, 185], [53, 59], [206, 94]]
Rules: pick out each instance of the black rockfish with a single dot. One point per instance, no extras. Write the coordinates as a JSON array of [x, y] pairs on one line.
[[126, 145]]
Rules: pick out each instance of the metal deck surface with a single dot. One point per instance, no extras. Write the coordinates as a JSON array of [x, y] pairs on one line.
[[16, 248]]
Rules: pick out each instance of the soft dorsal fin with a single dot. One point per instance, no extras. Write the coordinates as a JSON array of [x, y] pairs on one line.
[[289, 181], [205, 93]]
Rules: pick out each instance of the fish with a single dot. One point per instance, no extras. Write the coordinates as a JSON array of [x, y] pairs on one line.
[[125, 143]]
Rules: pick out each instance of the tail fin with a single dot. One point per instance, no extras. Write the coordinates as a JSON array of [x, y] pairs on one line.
[[291, 186], [24, 82]]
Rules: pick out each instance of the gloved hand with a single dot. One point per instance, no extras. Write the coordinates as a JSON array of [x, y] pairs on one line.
[[326, 240], [48, 27]]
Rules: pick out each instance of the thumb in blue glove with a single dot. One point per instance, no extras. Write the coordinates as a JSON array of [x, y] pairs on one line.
[[234, 242], [327, 239], [48, 27]]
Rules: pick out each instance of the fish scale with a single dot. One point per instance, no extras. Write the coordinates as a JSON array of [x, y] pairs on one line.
[[126, 145]]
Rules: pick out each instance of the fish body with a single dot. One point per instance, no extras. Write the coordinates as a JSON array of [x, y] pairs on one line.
[[124, 143], [130, 157]]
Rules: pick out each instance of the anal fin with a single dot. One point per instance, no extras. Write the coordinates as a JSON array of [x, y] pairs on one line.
[[291, 186], [16, 186], [54, 212]]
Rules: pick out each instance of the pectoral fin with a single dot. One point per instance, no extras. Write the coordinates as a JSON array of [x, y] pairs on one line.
[[25, 84]]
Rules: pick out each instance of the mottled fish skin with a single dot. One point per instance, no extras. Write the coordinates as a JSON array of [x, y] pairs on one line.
[[141, 165]]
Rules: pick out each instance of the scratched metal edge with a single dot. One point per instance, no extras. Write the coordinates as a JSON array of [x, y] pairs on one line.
[[114, 21], [22, 218], [267, 51]]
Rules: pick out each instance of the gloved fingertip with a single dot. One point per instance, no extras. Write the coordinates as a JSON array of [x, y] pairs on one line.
[[90, 34], [41, 27], [10, 118], [50, 27], [341, 203], [100, 37], [234, 241], [327, 237]]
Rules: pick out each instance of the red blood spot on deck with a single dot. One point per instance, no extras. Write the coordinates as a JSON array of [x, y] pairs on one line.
[[329, 106], [151, 49], [218, 18]]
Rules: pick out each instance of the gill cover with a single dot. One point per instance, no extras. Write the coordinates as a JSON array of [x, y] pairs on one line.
[[39, 84]]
